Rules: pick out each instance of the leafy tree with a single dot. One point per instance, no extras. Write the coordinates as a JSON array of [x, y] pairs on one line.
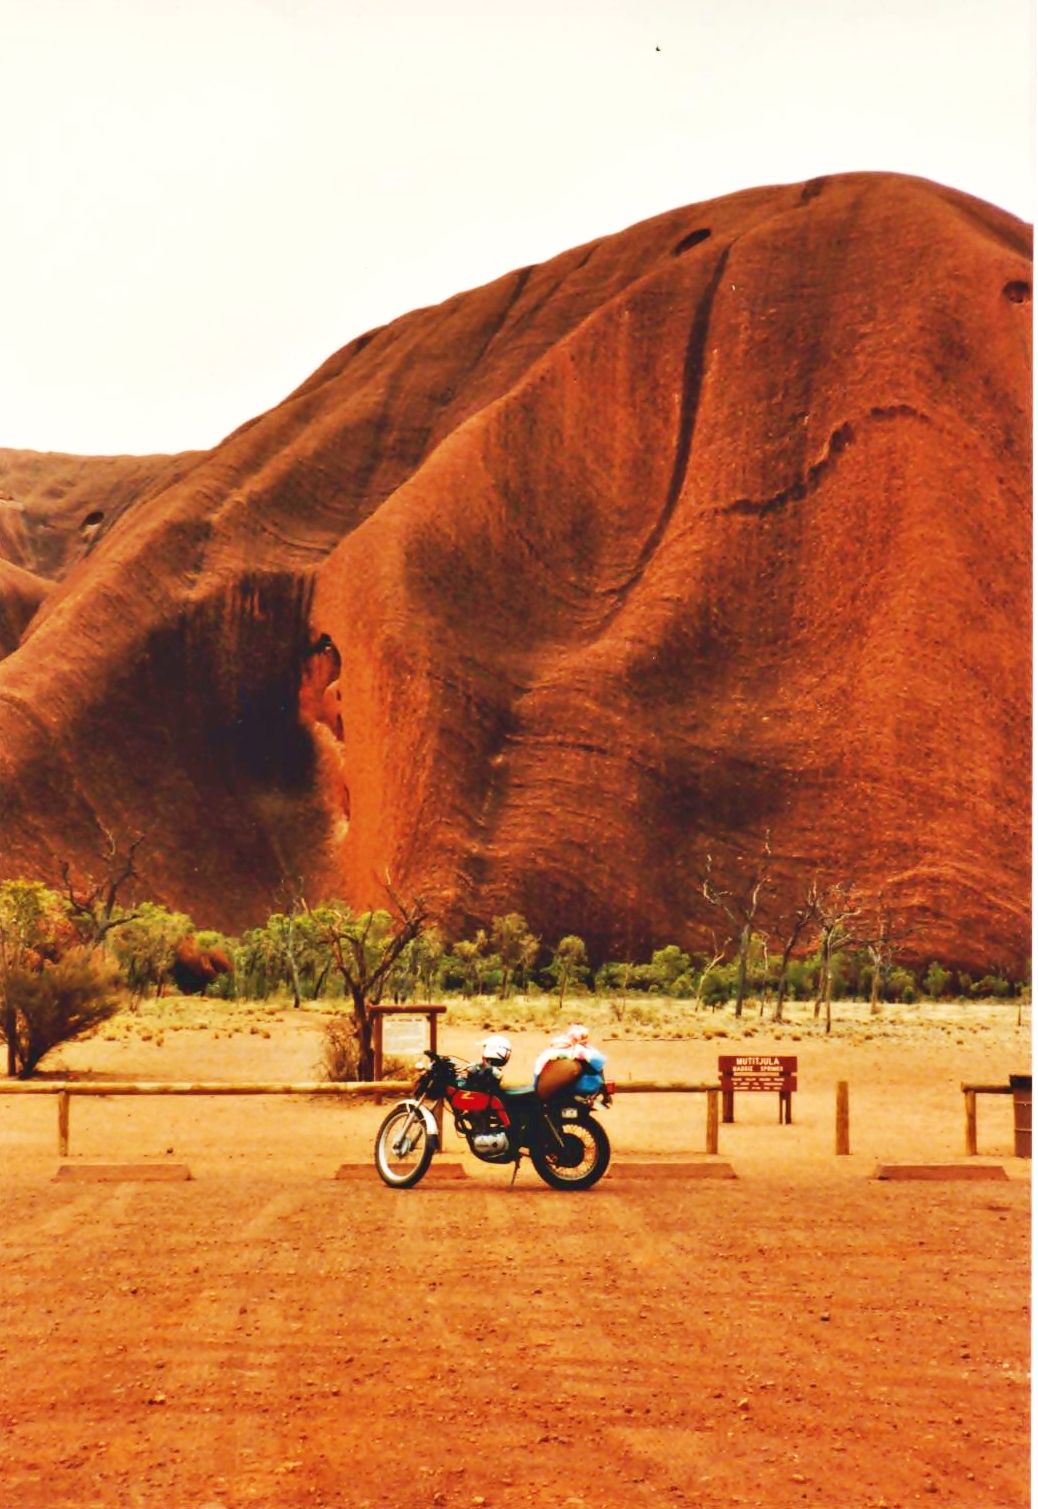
[[992, 986], [666, 967], [516, 947], [902, 984], [53, 989], [287, 952], [568, 966], [64, 999], [427, 953], [936, 981], [471, 956], [717, 983], [34, 926], [145, 946]]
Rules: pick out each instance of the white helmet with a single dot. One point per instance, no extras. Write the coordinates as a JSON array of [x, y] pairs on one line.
[[497, 1050]]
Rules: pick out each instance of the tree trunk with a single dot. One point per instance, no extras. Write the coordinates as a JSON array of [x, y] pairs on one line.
[[780, 989], [10, 1030], [740, 978], [364, 1025], [874, 1002], [823, 982], [297, 994]]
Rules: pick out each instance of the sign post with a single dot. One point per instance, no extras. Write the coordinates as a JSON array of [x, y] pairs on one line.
[[404, 1031]]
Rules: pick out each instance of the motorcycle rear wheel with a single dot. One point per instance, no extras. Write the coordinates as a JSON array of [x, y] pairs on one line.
[[582, 1159], [403, 1152]]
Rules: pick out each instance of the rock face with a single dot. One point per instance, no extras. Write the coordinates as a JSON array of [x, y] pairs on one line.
[[716, 527]]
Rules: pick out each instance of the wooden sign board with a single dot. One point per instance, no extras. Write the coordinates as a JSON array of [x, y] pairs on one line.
[[757, 1071], [404, 1036]]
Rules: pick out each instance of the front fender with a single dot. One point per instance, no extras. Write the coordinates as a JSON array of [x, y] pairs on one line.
[[432, 1130]]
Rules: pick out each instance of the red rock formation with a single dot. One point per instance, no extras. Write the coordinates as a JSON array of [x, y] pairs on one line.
[[194, 967], [715, 526], [21, 593], [53, 507]]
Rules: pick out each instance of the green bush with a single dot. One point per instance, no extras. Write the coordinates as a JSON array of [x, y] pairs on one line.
[[992, 986], [58, 1003], [719, 985], [936, 981], [902, 985]]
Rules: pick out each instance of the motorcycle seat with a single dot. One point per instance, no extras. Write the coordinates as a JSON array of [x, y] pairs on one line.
[[525, 1092]]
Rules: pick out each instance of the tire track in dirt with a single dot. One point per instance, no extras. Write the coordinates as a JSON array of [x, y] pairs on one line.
[[78, 1211]]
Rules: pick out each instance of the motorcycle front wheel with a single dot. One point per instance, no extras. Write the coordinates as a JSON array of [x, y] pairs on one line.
[[581, 1160], [403, 1148]]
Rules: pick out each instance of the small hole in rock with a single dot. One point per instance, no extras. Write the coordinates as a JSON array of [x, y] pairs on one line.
[[1018, 292], [687, 242], [93, 519]]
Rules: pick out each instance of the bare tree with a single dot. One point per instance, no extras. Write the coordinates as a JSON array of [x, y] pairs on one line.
[[803, 916], [740, 905], [93, 905], [839, 912], [882, 940], [364, 948]]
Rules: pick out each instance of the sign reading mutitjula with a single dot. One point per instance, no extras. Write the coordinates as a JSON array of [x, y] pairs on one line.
[[757, 1071]]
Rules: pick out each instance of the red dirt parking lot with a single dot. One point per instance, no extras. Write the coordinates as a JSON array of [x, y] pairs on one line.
[[267, 1334]]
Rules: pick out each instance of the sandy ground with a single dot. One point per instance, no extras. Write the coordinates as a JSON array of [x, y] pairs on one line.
[[266, 1334]]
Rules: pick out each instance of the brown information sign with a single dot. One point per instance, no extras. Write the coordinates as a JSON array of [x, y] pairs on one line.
[[757, 1071]]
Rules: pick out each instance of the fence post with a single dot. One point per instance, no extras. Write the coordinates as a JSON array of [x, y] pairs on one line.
[[971, 1121], [64, 1100], [711, 1120], [843, 1118]]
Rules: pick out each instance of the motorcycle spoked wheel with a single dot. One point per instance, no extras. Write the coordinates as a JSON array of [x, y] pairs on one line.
[[403, 1148], [580, 1162]]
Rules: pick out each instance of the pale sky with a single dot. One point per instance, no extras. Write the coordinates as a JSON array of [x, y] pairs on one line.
[[203, 199]]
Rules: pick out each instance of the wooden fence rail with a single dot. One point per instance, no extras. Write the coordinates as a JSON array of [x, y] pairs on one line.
[[66, 1089]]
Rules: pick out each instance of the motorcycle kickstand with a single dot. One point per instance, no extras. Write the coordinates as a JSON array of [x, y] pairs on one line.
[[515, 1169]]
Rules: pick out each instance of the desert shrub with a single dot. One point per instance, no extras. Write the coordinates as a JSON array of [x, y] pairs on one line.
[[902, 985], [340, 1058], [64, 1000], [666, 966], [340, 1054], [719, 985], [936, 981], [992, 987]]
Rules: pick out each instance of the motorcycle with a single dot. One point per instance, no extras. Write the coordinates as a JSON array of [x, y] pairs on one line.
[[566, 1145]]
